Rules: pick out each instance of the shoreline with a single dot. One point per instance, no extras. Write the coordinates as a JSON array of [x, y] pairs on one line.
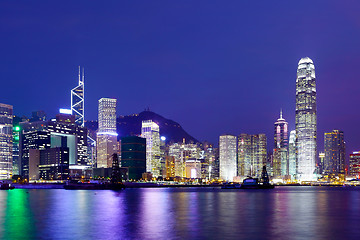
[[154, 185]]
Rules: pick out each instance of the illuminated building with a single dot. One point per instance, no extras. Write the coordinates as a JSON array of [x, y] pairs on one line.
[[49, 164], [77, 100], [305, 119], [281, 133], [334, 146], [292, 154], [227, 155], [150, 130], [321, 162], [281, 147], [16, 146], [193, 168], [170, 166], [181, 153], [133, 156], [106, 137], [251, 154], [6, 140], [354, 164], [52, 134]]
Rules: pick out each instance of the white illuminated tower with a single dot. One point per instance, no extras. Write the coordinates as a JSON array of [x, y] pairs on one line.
[[305, 119], [6, 140], [227, 156], [77, 100], [292, 154], [106, 136], [150, 130]]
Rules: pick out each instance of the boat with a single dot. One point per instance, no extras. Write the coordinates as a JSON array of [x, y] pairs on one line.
[[231, 186], [6, 186], [254, 183]]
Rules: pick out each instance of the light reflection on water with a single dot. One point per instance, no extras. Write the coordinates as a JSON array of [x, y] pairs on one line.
[[201, 213]]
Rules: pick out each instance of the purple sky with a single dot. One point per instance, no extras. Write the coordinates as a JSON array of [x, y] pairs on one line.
[[213, 66]]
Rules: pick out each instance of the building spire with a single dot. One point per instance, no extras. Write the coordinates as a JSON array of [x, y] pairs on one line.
[[281, 113], [83, 75], [79, 75]]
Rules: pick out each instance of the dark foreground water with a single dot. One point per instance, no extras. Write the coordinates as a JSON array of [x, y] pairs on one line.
[[191, 213]]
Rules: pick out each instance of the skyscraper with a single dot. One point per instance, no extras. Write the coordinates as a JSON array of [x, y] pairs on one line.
[[281, 160], [251, 154], [150, 130], [228, 163], [305, 119], [181, 153], [106, 136], [334, 146], [354, 164], [77, 100], [292, 154], [133, 156], [6, 140]]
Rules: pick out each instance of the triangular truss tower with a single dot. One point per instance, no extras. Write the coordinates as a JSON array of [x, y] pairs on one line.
[[77, 100]]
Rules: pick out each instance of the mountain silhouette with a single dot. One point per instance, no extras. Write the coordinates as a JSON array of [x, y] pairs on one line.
[[131, 125]]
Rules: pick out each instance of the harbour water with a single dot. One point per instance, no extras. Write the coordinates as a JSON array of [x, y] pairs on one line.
[[181, 213]]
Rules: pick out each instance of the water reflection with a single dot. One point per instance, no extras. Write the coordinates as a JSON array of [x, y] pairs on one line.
[[282, 213]]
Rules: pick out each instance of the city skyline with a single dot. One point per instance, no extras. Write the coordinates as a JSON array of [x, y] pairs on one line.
[[258, 76]]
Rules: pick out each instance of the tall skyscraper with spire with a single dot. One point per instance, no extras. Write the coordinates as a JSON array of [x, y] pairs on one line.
[[281, 141], [305, 119], [77, 100]]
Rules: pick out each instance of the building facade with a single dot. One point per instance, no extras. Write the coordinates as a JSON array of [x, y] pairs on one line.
[[133, 156], [228, 158], [106, 137], [252, 154], [281, 143], [52, 134], [151, 132], [334, 146], [6, 141], [305, 119], [354, 165], [292, 154]]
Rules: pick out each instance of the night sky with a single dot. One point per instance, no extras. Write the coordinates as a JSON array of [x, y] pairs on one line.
[[213, 66]]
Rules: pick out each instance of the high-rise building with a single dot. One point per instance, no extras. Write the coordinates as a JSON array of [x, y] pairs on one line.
[[321, 162], [334, 146], [150, 130], [354, 164], [181, 153], [106, 137], [133, 156], [281, 133], [53, 134], [6, 140], [252, 154], [305, 119], [228, 163], [170, 166], [281, 157], [16, 146], [77, 100], [292, 154]]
